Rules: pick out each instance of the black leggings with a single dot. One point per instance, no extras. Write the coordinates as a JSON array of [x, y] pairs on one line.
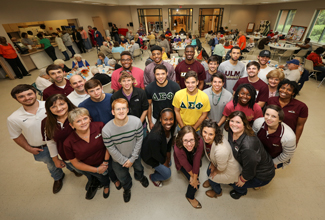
[[17, 67], [51, 52]]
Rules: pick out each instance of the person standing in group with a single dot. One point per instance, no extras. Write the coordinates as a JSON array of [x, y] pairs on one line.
[[68, 42], [85, 38], [274, 77], [91, 34], [213, 64], [47, 46], [218, 97], [123, 138], [115, 33], [189, 64], [61, 46], [241, 42], [78, 39], [157, 144], [188, 151], [257, 165], [191, 105], [223, 167], [22, 125], [10, 55], [149, 74], [79, 94]]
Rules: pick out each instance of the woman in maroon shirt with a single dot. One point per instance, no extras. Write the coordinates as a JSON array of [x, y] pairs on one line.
[[86, 150], [187, 154], [295, 112]]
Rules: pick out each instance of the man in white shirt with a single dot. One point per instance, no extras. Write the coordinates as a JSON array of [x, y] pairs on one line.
[[23, 125], [134, 46], [79, 94], [292, 73]]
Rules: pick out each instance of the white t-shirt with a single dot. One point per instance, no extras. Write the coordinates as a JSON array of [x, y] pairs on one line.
[[76, 99], [292, 75], [261, 74], [29, 124], [42, 83]]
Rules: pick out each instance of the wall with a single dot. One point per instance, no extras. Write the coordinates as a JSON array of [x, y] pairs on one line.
[[55, 24]]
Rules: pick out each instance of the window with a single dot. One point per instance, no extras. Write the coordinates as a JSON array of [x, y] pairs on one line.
[[285, 20], [317, 31]]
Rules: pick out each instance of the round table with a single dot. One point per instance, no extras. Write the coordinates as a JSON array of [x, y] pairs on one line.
[[255, 37], [287, 47], [181, 36]]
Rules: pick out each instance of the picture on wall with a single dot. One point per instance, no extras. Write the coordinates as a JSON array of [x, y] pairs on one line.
[[296, 32]]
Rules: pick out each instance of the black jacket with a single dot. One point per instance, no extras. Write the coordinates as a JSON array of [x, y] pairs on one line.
[[138, 102], [251, 155], [103, 78]]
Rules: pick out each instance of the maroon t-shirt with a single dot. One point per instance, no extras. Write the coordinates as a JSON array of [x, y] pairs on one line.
[[262, 90], [54, 89], [292, 111], [92, 153], [59, 136], [272, 142], [182, 68]]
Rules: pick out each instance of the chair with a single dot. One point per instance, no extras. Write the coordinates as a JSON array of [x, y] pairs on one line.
[[117, 56], [267, 47], [137, 53], [309, 65], [174, 54], [181, 52], [251, 57], [287, 54], [40, 93], [301, 53], [152, 42]]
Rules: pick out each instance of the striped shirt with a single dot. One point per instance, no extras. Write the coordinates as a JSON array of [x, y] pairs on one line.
[[123, 143]]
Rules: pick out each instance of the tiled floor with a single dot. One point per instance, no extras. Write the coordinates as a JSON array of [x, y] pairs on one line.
[[297, 192]]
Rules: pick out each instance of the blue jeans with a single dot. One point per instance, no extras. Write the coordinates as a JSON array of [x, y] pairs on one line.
[[161, 173], [44, 156], [321, 75], [190, 193], [249, 184], [123, 173], [215, 186], [103, 179], [66, 55], [71, 50]]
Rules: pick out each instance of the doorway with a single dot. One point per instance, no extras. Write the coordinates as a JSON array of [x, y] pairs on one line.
[[210, 20], [180, 18], [98, 23]]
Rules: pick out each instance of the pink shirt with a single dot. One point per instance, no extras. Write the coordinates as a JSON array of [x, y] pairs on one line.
[[137, 73], [251, 114], [84, 34]]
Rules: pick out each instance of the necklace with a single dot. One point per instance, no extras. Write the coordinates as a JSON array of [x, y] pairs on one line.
[[218, 98], [189, 105]]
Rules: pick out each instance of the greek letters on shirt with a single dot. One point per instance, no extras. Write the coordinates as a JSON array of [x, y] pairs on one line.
[[162, 96], [192, 105], [232, 74]]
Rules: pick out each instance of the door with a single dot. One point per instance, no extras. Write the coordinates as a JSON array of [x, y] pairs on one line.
[[98, 23]]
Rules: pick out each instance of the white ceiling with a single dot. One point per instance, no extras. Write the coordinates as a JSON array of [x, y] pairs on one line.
[[172, 2]]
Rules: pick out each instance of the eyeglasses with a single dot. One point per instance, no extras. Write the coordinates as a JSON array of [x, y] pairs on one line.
[[120, 109], [126, 60], [188, 141]]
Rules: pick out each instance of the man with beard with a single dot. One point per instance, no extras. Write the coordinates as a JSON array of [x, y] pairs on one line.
[[232, 69], [60, 85], [262, 90], [149, 75], [189, 64], [137, 73], [79, 94], [24, 122], [160, 93]]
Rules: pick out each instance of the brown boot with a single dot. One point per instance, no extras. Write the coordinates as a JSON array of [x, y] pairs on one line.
[[206, 184], [212, 194]]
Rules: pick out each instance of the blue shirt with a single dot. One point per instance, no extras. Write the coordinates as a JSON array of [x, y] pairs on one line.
[[80, 63], [99, 61], [99, 111], [193, 42], [118, 49]]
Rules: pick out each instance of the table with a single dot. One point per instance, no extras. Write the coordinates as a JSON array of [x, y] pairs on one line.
[[287, 47], [103, 70], [181, 36], [144, 38], [255, 37], [173, 61], [181, 47]]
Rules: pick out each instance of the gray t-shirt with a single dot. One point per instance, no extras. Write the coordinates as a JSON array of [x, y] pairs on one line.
[[217, 105], [232, 73], [292, 75]]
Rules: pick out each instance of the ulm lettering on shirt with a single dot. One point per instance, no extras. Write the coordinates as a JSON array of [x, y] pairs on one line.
[[192, 105], [232, 74], [161, 96]]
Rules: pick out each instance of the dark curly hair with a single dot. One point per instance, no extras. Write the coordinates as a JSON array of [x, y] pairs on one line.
[[186, 129], [211, 124], [292, 84], [251, 91]]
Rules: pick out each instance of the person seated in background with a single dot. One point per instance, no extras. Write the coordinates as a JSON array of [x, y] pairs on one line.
[[187, 40], [112, 63], [61, 63], [182, 32], [137, 39], [222, 31], [318, 63], [177, 38], [164, 43], [292, 72], [196, 42], [151, 36], [263, 42], [274, 77], [43, 80], [102, 59], [79, 94], [307, 45], [250, 45], [134, 46], [271, 34], [106, 50], [275, 37], [117, 48], [79, 62], [164, 55], [25, 40], [123, 40], [109, 42], [215, 40], [241, 42], [168, 32], [228, 45], [219, 50], [208, 36], [130, 35], [103, 78]]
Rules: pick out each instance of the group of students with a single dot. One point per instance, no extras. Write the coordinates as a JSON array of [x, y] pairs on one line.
[[108, 133]]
